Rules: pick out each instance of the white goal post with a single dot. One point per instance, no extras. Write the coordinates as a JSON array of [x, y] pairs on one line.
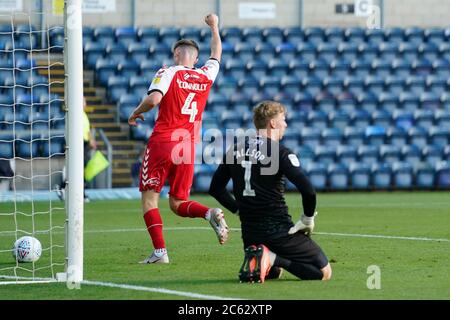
[[23, 208]]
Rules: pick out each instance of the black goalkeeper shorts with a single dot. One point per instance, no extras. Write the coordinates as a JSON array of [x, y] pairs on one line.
[[296, 248]]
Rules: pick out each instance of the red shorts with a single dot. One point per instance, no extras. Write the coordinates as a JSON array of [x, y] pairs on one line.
[[172, 161]]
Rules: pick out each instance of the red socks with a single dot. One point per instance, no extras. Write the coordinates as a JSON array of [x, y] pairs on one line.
[[192, 209], [154, 225]]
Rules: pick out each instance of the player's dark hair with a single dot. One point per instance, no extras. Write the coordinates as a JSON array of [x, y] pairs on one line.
[[264, 111], [186, 42]]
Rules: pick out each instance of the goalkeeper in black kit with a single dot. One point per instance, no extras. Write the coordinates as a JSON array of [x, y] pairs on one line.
[[257, 166]]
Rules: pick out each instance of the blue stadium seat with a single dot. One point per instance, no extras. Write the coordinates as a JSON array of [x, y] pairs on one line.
[[88, 34], [346, 154], [6, 70], [244, 51], [293, 35], [432, 154], [252, 35], [424, 118], [436, 84], [160, 51], [56, 37], [126, 105], [339, 119], [227, 85], [128, 68], [332, 137], [270, 85], [429, 51], [418, 136], [304, 101], [306, 51], [311, 137], [306, 155], [26, 34], [325, 154], [387, 101], [430, 101], [409, 101], [340, 68], [27, 146], [104, 69], [257, 68], [381, 176], [368, 154], [374, 84], [374, 36], [338, 176], [444, 50], [148, 68], [291, 140], [402, 175], [286, 51], [117, 86], [348, 50], [116, 52], [169, 35], [141, 132], [192, 33], [354, 35], [52, 147], [394, 35], [317, 173], [314, 35], [249, 86], [381, 118], [335, 35], [424, 176], [395, 85], [333, 84], [360, 119], [422, 67], [408, 51], [327, 52], [441, 67], [403, 119], [278, 68], [401, 68], [148, 35], [443, 175], [312, 84], [139, 85], [273, 35], [354, 136], [6, 145], [202, 179], [217, 102], [442, 118], [264, 51], [346, 101], [104, 35], [439, 136], [125, 35], [325, 102], [387, 51], [290, 84], [368, 51], [434, 35], [389, 153], [354, 85], [231, 34], [360, 175], [397, 137], [411, 154], [318, 119]]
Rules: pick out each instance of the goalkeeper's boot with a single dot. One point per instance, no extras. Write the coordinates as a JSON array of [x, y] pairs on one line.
[[262, 263], [218, 223], [249, 265], [158, 256]]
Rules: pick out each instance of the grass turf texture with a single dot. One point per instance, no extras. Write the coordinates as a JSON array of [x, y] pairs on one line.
[[115, 240]]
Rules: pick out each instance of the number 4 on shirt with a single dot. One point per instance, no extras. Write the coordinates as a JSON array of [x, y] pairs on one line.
[[190, 107]]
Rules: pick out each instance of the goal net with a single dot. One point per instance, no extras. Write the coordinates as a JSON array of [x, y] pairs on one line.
[[36, 134]]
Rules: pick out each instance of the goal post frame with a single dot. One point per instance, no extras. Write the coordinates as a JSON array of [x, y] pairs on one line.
[[73, 53]]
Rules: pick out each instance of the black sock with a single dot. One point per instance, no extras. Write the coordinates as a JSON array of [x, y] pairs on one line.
[[305, 271]]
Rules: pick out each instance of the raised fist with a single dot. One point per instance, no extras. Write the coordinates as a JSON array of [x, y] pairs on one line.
[[212, 20]]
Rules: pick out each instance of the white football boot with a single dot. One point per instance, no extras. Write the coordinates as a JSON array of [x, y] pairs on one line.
[[218, 223], [158, 256]]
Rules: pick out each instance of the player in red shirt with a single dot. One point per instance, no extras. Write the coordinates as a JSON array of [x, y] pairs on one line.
[[181, 91]]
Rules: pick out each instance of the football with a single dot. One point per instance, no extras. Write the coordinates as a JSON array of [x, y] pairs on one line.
[[27, 249]]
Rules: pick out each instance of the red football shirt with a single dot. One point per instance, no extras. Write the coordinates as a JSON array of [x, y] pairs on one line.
[[185, 92]]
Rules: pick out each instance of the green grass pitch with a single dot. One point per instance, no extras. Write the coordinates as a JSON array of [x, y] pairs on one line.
[[405, 234]]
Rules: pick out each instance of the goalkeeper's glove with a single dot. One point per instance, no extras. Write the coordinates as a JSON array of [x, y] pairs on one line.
[[305, 225]]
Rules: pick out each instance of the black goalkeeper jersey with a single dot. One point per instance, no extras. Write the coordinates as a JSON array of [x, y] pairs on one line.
[[257, 167]]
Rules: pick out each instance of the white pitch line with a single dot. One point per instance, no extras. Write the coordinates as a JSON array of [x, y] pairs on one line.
[[28, 280], [157, 290], [355, 235]]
